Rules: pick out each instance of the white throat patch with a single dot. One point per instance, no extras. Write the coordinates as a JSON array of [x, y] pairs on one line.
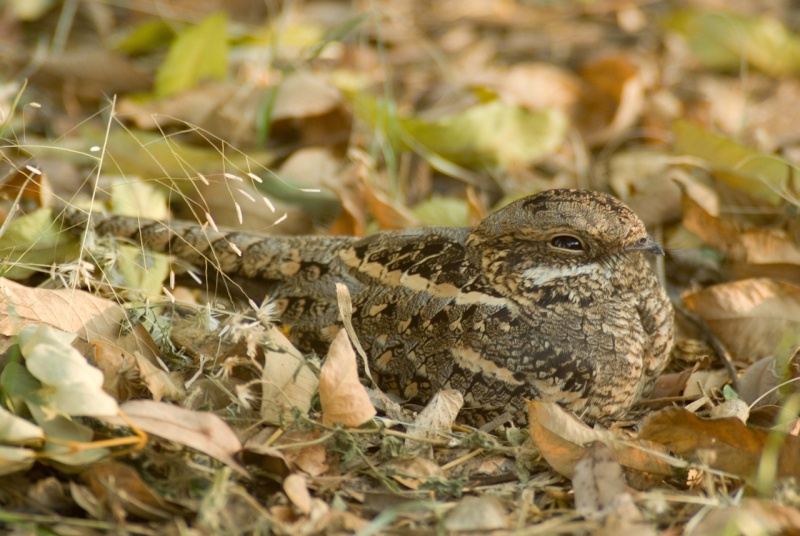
[[539, 275]]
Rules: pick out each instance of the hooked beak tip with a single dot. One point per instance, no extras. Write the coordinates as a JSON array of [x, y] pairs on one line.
[[646, 244]]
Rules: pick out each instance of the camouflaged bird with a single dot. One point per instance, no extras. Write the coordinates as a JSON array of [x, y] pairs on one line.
[[551, 298]]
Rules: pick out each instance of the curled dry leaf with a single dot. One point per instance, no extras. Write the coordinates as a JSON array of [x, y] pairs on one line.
[[162, 384], [287, 381], [296, 488], [129, 375], [737, 448], [344, 400], [563, 440], [750, 316], [204, 432]]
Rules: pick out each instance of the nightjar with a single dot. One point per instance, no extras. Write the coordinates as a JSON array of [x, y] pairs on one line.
[[551, 297]]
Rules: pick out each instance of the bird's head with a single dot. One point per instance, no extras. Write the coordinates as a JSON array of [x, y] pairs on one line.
[[559, 234]]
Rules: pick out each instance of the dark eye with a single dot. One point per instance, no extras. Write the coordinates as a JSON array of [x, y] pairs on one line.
[[567, 242]]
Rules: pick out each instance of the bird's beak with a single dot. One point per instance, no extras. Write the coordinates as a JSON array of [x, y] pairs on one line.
[[646, 244]]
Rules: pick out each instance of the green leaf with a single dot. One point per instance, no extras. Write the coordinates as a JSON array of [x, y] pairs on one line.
[[491, 134], [18, 384], [146, 37], [442, 211], [722, 40], [66, 431], [32, 243], [200, 52], [136, 267], [762, 176]]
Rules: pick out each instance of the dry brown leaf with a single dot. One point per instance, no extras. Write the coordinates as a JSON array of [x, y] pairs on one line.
[[312, 166], [353, 217], [296, 488], [117, 366], [705, 381], [736, 447], [204, 432], [269, 459], [438, 415], [303, 94], [764, 376], [615, 100], [73, 311], [312, 460], [25, 185], [641, 178], [563, 440], [162, 385], [477, 514], [287, 381], [759, 378], [284, 458], [752, 516], [344, 400], [118, 485], [414, 472], [389, 214], [476, 207], [750, 316], [539, 86], [670, 385], [753, 251], [199, 106], [735, 407], [601, 493]]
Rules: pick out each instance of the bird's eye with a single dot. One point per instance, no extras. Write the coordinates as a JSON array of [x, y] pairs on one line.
[[567, 242]]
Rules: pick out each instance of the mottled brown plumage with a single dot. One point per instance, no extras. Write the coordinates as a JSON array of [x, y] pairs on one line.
[[549, 298]]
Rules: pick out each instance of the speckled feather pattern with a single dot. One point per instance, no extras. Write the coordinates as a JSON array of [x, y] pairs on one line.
[[495, 311]]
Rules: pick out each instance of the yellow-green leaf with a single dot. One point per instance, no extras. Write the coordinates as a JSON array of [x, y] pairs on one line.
[[762, 176], [138, 268], [200, 52], [145, 37], [722, 39], [32, 243], [442, 211], [491, 134]]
